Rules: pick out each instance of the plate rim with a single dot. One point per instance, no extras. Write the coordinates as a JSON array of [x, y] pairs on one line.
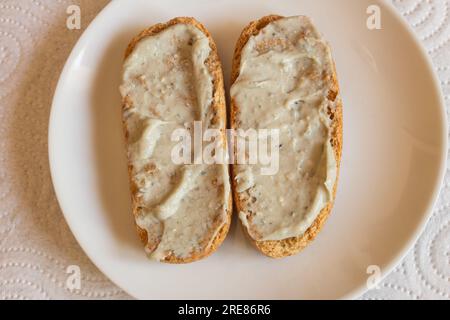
[[428, 212], [353, 294]]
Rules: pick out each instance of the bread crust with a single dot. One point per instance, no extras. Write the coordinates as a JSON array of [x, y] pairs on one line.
[[219, 106], [290, 246]]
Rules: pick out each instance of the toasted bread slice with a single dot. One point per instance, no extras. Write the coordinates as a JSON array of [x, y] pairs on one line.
[[173, 77], [247, 200]]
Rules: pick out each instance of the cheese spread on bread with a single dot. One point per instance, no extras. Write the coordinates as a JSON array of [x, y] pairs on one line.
[[284, 81], [167, 85]]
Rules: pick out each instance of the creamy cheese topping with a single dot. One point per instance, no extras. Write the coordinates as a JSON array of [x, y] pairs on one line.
[[167, 86], [284, 80]]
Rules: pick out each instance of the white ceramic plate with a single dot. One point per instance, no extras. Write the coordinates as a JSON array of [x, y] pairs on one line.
[[393, 159]]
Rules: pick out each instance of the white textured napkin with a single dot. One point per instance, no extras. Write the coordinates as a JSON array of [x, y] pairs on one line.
[[36, 246]]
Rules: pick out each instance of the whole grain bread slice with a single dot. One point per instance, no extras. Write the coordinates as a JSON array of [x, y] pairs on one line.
[[290, 246], [219, 107]]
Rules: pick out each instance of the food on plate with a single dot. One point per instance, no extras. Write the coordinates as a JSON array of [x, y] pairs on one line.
[[284, 78]]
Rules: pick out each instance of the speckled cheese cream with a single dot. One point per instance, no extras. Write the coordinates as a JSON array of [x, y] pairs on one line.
[[168, 86], [283, 83]]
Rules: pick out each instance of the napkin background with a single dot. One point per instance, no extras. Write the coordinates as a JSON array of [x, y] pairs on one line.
[[36, 245]]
